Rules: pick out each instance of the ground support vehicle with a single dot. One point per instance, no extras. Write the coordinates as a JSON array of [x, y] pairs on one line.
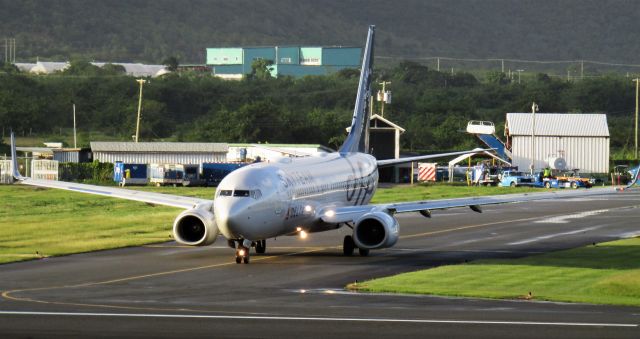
[[166, 174], [575, 179], [558, 182], [516, 178]]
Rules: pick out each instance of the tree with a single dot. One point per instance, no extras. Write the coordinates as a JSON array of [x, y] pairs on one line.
[[171, 63], [260, 69]]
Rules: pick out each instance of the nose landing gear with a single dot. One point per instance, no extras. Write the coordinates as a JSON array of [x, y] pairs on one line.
[[242, 251], [242, 255]]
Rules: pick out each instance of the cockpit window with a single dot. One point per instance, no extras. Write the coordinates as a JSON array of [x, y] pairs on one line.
[[225, 193], [241, 193]]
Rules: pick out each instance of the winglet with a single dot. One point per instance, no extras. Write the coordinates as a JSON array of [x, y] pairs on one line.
[[358, 138], [14, 160], [635, 179]]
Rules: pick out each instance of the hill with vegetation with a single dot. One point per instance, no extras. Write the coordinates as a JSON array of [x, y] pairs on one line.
[[433, 106], [152, 30]]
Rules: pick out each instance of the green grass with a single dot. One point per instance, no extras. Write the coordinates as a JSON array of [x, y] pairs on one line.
[[608, 273], [441, 191], [56, 222]]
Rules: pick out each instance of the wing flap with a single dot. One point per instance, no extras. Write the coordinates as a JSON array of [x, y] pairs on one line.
[[352, 213]]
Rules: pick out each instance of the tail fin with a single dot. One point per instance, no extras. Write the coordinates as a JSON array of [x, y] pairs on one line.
[[14, 159], [358, 138]]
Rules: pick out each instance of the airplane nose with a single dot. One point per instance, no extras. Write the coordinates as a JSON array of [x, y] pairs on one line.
[[230, 217]]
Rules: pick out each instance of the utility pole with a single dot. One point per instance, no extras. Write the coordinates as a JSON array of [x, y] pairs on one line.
[[519, 72], [637, 80], [75, 139], [438, 67], [141, 82], [534, 109]]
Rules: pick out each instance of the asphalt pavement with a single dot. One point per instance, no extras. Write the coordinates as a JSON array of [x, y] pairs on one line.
[[297, 288]]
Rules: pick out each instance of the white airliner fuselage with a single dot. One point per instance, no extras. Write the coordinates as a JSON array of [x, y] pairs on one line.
[[266, 200]]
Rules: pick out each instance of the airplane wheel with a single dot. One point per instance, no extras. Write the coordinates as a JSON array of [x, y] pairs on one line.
[[574, 185], [513, 184], [547, 185], [246, 259], [348, 246], [363, 252], [261, 246], [238, 259]]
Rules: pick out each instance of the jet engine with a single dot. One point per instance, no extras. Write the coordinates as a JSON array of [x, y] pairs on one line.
[[195, 227], [376, 230]]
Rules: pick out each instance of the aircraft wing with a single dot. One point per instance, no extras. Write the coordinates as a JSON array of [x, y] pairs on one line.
[[352, 213], [114, 192], [391, 162]]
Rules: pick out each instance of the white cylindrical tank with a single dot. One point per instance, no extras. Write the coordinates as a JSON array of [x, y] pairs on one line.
[[557, 163]]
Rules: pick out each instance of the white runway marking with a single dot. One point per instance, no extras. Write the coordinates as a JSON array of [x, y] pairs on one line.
[[328, 319], [545, 237], [565, 218]]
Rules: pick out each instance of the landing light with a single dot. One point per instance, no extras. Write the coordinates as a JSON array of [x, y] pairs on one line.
[[298, 229], [330, 213], [303, 235], [241, 253], [307, 208]]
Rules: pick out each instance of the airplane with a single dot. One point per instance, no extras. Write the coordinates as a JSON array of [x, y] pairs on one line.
[[302, 195]]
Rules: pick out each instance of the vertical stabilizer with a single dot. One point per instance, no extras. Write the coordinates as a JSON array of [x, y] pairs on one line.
[[14, 159], [358, 138]]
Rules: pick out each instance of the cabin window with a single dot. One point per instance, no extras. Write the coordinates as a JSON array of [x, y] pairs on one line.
[[225, 193]]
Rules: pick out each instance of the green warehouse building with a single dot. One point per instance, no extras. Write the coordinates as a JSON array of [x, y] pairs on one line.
[[296, 61]]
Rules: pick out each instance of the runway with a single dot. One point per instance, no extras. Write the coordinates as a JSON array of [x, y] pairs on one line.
[[296, 289]]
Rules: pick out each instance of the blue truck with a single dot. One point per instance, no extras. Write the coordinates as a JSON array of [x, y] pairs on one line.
[[213, 172], [516, 178], [130, 174]]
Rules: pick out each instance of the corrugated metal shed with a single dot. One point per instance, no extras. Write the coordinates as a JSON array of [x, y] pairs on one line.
[[558, 124], [581, 139], [159, 152]]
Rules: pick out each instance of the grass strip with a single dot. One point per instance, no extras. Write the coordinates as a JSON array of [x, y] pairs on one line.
[[39, 222], [606, 273]]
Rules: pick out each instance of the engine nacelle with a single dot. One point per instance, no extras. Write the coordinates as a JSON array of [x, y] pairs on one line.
[[376, 230], [195, 227]]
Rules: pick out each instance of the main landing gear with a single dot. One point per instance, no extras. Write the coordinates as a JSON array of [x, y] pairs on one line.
[[244, 248], [348, 246]]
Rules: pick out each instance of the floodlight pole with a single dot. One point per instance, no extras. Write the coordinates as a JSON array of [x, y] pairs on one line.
[[384, 90], [141, 82], [534, 109], [75, 139]]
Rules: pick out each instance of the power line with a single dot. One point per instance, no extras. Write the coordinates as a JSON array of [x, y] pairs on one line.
[[431, 58]]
